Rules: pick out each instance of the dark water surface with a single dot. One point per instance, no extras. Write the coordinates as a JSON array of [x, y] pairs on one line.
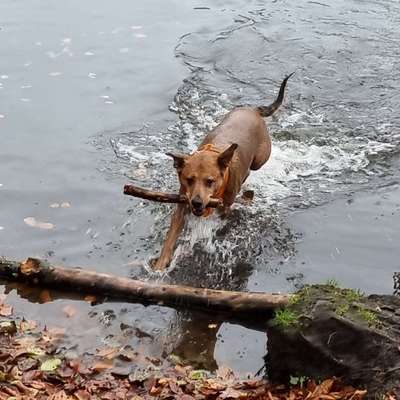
[[93, 93]]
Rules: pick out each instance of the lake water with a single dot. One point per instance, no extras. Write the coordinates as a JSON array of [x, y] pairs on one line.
[[92, 95]]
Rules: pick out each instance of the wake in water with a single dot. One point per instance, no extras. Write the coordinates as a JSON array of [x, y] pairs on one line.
[[322, 142]]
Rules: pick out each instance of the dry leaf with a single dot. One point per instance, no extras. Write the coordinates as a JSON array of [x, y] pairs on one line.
[[27, 325], [90, 299], [230, 393], [108, 353], [103, 365], [61, 395], [32, 221], [69, 311], [50, 365], [52, 335], [82, 395], [323, 388], [5, 310], [8, 328], [30, 266]]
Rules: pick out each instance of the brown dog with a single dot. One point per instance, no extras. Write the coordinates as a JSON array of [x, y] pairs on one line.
[[220, 165]]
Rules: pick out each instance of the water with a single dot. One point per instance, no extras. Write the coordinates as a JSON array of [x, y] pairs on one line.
[[93, 95]]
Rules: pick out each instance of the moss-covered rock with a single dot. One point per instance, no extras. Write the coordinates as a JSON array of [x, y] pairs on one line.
[[326, 331]]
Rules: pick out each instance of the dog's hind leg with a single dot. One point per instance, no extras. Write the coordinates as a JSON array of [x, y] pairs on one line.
[[177, 223], [262, 155]]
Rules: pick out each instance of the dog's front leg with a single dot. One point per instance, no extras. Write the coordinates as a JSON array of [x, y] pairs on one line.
[[177, 223]]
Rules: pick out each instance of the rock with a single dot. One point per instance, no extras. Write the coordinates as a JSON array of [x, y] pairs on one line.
[[328, 331]]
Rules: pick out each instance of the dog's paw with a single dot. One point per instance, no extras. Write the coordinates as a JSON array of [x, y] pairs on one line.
[[159, 264]]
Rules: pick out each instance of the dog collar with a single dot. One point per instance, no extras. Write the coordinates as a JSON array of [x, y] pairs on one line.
[[209, 147]]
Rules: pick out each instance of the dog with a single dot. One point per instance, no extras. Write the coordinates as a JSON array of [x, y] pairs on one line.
[[221, 164]]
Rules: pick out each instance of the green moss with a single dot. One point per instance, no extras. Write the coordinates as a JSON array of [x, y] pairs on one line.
[[369, 316], [353, 295], [285, 318], [342, 310], [348, 303]]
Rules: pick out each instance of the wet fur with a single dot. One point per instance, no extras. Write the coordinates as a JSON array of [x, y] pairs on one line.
[[239, 144]]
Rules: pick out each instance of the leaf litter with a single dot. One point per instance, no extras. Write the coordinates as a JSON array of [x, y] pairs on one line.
[[34, 367]]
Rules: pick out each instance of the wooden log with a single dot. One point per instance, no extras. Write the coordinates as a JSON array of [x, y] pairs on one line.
[[162, 197], [38, 272]]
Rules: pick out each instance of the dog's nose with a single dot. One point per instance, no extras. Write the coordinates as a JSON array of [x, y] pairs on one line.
[[197, 204]]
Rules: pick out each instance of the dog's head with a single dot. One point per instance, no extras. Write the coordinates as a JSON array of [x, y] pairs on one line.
[[202, 175]]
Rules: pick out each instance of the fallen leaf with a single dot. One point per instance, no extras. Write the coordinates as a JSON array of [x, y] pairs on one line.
[[101, 366], [108, 353], [198, 374], [82, 395], [3, 377], [27, 325], [8, 328], [230, 393], [69, 311], [5, 310], [34, 351], [323, 388], [61, 395], [225, 373], [30, 266], [90, 299], [32, 221], [53, 335], [214, 385], [25, 364], [50, 365]]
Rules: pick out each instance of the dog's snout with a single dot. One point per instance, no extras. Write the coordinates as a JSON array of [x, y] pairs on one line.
[[197, 203]]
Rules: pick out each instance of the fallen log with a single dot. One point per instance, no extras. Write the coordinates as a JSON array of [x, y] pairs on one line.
[[37, 272], [162, 197]]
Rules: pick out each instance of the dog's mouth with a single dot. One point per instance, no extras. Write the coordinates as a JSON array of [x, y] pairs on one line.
[[198, 212]]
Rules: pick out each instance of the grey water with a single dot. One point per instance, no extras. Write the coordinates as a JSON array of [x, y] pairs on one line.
[[93, 94]]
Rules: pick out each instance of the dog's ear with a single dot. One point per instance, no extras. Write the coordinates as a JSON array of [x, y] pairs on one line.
[[179, 160], [226, 156]]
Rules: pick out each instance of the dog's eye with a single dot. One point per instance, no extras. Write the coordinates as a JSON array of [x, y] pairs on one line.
[[210, 182], [190, 181]]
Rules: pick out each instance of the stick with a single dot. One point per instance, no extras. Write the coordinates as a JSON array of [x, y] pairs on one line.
[[162, 197], [38, 272]]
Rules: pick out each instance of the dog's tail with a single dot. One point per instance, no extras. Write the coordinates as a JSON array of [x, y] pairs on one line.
[[266, 111]]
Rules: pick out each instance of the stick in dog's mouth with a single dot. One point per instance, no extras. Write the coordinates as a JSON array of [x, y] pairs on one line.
[[162, 197]]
